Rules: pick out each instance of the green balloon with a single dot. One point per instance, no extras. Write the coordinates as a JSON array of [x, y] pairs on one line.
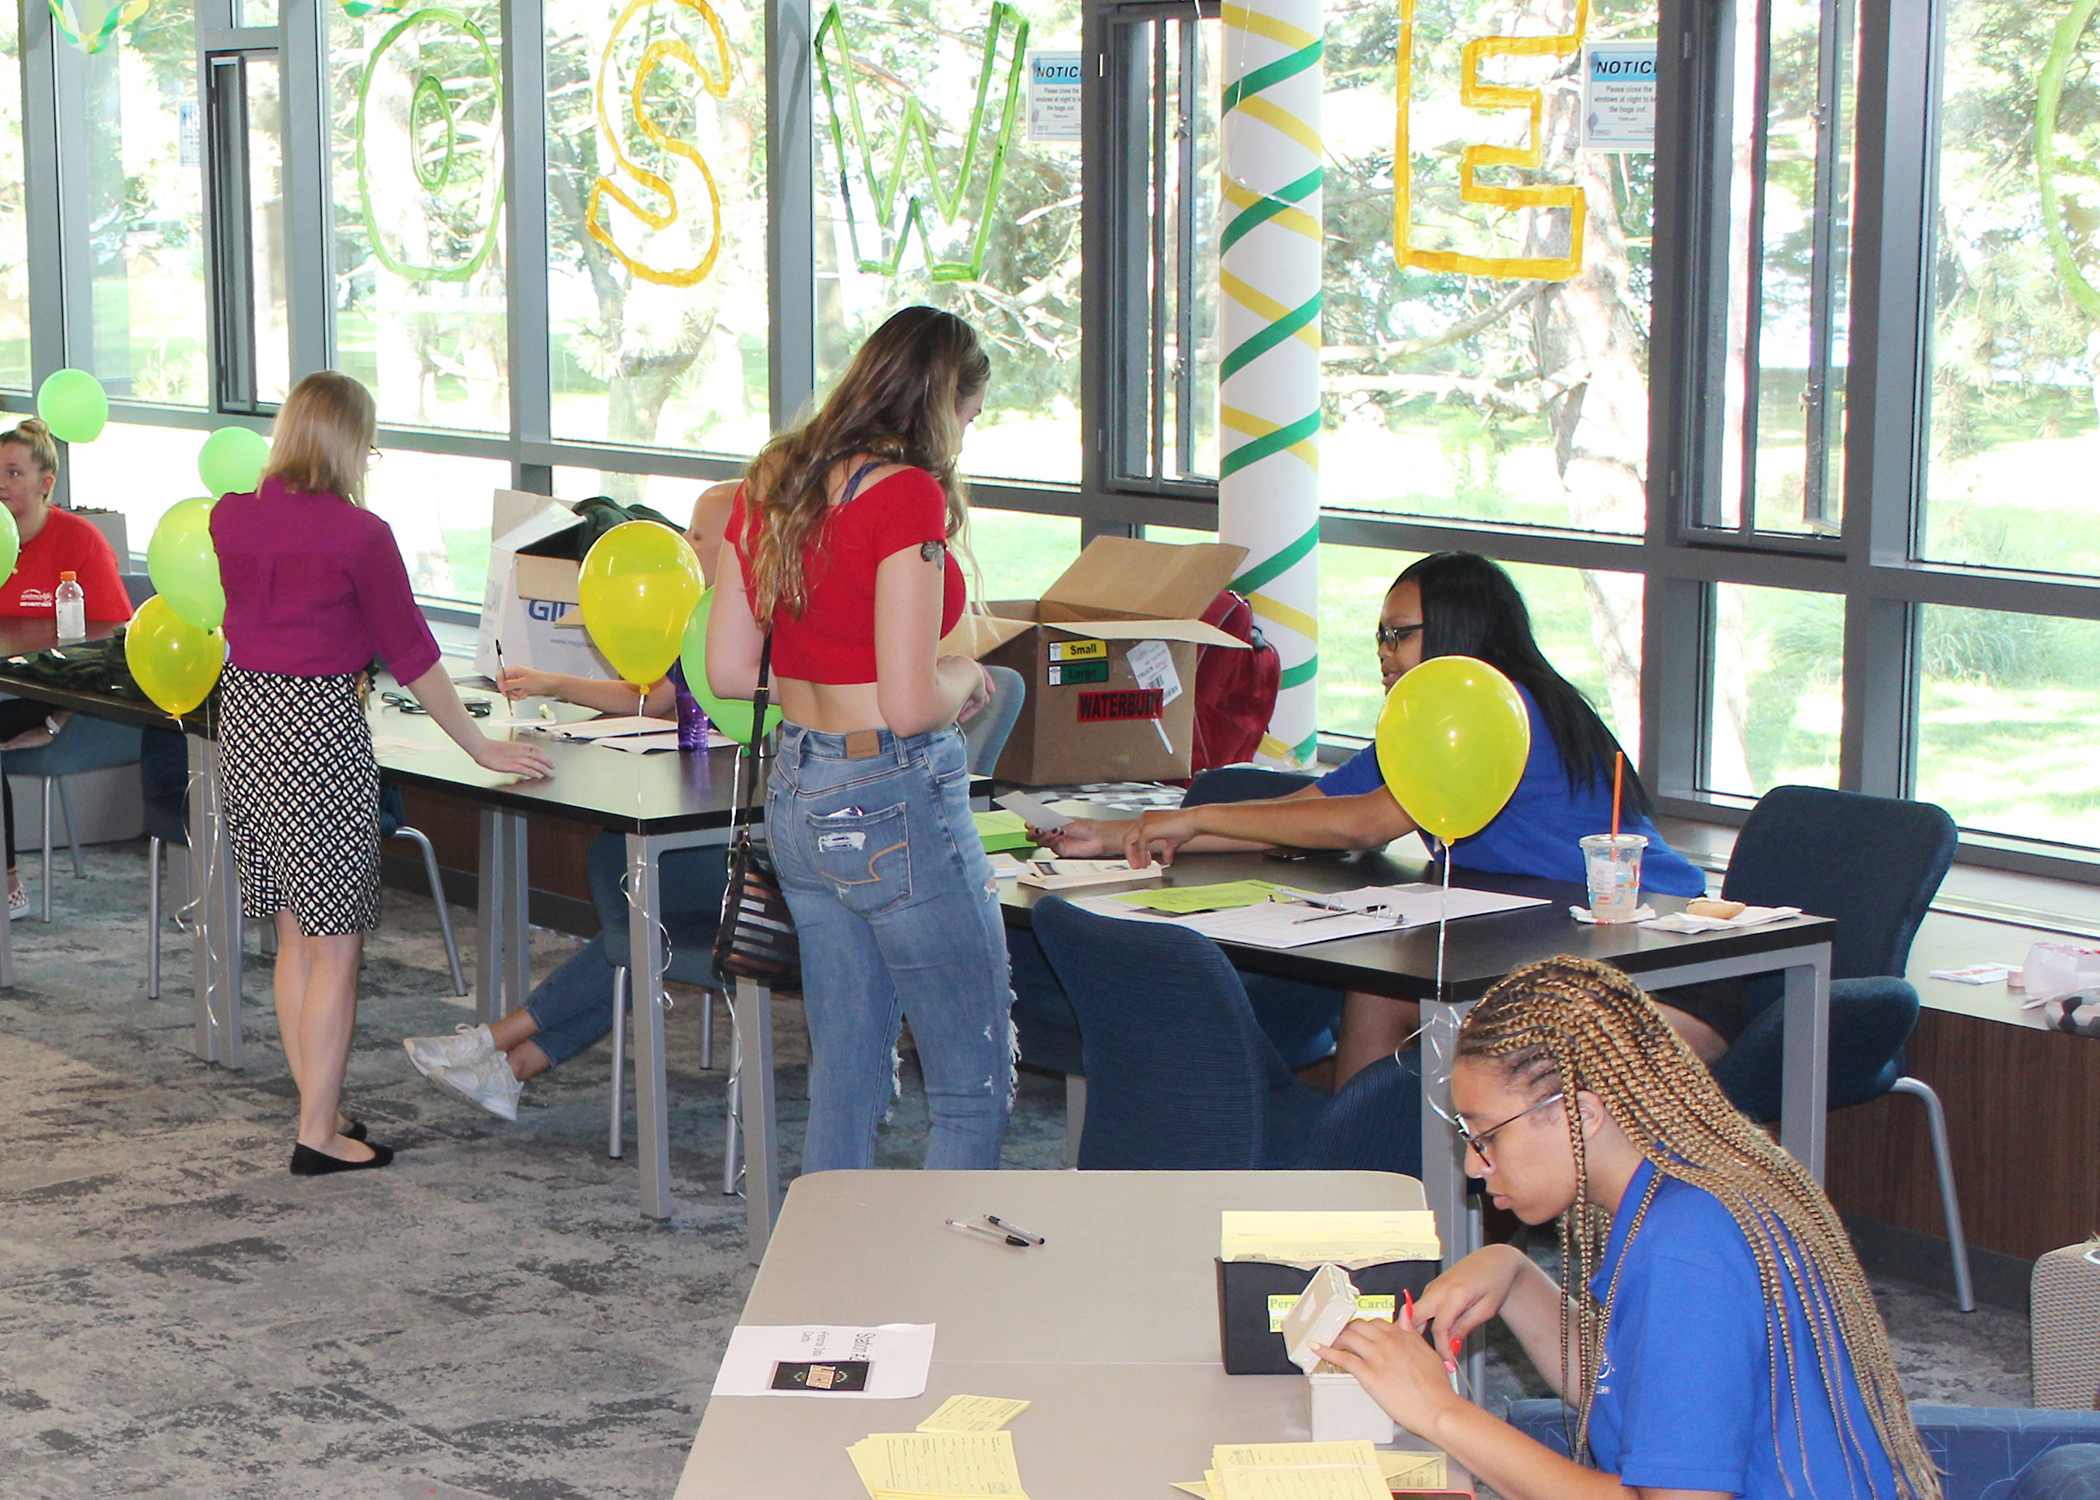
[[730, 716], [10, 543], [73, 405], [184, 565], [231, 461]]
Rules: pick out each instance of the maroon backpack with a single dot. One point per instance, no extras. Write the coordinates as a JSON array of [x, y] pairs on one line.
[[1235, 690]]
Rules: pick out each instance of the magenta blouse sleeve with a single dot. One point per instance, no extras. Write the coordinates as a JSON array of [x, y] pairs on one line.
[[399, 633]]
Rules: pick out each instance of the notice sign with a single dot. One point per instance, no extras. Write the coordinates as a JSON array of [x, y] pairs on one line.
[[1053, 96], [1618, 96]]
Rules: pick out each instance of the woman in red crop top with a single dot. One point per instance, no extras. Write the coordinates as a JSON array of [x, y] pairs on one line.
[[842, 545]]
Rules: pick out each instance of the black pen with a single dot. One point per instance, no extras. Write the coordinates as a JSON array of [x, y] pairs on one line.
[[996, 1236], [994, 1219]]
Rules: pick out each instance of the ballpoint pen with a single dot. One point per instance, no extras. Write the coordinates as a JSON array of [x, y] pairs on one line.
[[1006, 1228], [996, 1236]]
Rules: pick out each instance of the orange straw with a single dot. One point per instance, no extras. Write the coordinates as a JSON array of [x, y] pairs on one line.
[[1618, 780]]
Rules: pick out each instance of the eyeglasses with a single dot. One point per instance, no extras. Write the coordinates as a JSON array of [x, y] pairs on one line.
[[1476, 1140], [478, 707], [1390, 636]]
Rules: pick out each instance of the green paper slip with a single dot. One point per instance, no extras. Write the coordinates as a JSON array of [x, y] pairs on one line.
[[1003, 832], [1188, 900]]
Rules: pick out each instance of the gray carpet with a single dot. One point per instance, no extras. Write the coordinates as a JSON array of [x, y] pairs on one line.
[[489, 1317]]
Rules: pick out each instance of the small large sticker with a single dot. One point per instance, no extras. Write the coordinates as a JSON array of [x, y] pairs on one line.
[[1079, 650], [1064, 674], [1123, 703], [840, 842]]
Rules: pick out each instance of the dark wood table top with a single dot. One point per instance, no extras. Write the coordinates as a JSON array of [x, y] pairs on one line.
[[1478, 951], [23, 637]]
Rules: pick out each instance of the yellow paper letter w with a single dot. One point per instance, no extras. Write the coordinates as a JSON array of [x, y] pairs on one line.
[[596, 214], [1476, 94]]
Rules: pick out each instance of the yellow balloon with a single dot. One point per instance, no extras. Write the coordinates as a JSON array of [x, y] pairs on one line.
[[173, 662], [639, 585], [1452, 741]]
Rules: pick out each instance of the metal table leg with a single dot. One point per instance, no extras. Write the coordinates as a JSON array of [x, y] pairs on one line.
[[645, 943], [1443, 1167], [503, 966], [1804, 1087], [216, 930], [754, 1027]]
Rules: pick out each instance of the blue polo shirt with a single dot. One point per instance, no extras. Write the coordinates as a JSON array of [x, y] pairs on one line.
[[1538, 832], [1685, 1398]]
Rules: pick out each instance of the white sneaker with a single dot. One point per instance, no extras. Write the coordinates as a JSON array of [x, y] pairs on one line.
[[17, 904], [491, 1085], [468, 1044]]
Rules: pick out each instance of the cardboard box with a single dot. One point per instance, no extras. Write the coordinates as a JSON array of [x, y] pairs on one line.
[[1340, 1411], [530, 604], [1109, 656], [1254, 1296]]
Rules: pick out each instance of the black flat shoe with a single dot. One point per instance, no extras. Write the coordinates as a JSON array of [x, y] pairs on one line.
[[355, 1131], [307, 1162]]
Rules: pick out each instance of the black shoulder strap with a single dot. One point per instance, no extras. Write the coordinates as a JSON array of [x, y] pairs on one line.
[[760, 700]]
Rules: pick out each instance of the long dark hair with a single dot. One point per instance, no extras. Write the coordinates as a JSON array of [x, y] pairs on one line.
[[1470, 607], [896, 402]]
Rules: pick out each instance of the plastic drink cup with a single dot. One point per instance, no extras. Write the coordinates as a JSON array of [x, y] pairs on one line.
[[1613, 864]]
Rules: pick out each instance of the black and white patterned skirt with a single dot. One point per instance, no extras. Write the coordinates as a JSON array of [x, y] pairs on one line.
[[302, 798]]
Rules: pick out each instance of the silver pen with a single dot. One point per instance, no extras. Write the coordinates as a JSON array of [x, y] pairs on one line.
[[1003, 1226]]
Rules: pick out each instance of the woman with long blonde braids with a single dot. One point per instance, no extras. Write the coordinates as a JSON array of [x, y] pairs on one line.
[[1720, 1339]]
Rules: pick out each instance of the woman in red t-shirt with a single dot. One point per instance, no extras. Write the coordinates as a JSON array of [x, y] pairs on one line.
[[54, 542], [842, 541]]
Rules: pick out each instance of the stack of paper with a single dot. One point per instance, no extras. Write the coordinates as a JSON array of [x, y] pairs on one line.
[[1064, 874], [939, 1466], [1003, 832], [973, 1414], [1352, 1238], [1399, 1471]]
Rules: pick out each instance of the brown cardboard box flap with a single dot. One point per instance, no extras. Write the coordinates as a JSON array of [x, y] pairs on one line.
[[1195, 632], [1122, 577], [553, 578], [976, 634]]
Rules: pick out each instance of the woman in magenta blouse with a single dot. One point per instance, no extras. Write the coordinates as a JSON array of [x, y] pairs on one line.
[[315, 589]]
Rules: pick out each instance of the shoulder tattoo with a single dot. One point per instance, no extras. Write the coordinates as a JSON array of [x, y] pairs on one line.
[[931, 551]]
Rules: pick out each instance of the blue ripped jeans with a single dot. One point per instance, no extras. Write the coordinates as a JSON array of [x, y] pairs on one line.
[[898, 917]]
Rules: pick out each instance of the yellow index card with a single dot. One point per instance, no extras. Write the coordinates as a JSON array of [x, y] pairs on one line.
[[1304, 1482], [1343, 1237], [1293, 1455], [1415, 1471], [1200, 1488], [952, 1465], [973, 1414]]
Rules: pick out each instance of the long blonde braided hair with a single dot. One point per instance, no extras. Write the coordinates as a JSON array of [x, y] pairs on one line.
[[1569, 1023]]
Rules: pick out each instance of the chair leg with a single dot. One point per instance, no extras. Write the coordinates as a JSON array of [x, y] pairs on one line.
[[65, 802], [47, 849], [619, 1059], [707, 1028], [1943, 1159], [153, 919], [1075, 1116], [437, 895]]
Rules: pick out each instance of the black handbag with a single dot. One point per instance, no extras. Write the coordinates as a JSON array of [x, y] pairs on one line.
[[756, 938]]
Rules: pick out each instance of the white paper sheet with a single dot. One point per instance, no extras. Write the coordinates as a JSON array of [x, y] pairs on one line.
[[599, 729], [898, 1356], [1035, 814], [1290, 924]]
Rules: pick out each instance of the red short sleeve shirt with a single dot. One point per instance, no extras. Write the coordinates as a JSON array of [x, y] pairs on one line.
[[833, 640]]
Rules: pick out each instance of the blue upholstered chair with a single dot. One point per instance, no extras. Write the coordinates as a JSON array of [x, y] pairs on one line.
[[1181, 1077], [1874, 864], [1982, 1452], [83, 743], [987, 734]]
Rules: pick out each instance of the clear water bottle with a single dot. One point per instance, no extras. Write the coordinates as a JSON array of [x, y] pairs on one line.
[[692, 719], [70, 603]]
